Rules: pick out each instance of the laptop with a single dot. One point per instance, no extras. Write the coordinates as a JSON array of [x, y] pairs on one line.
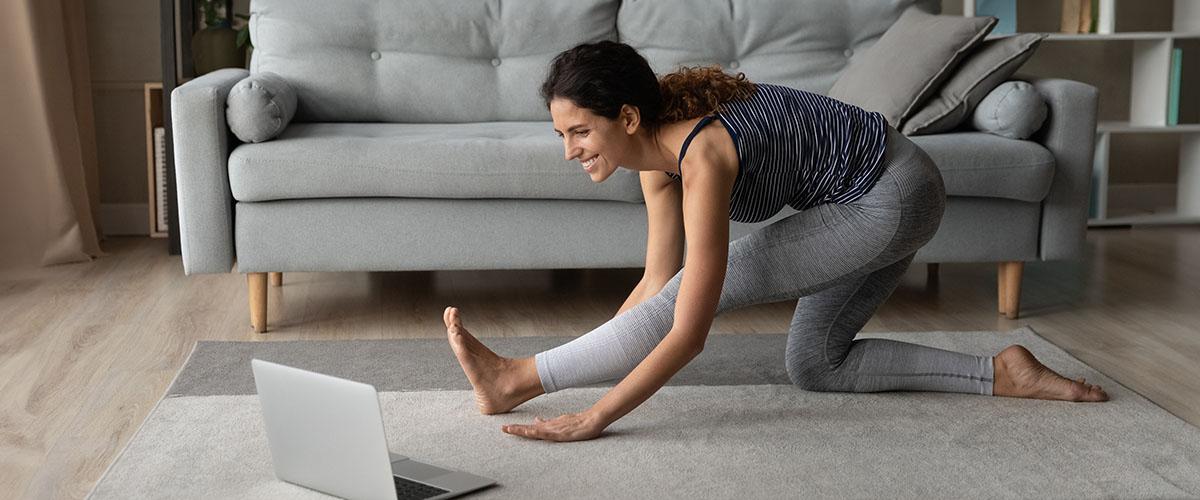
[[326, 433]]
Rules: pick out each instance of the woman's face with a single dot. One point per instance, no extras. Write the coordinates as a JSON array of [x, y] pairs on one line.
[[597, 143]]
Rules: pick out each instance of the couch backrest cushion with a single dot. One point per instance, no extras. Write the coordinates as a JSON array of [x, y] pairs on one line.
[[801, 44], [421, 61]]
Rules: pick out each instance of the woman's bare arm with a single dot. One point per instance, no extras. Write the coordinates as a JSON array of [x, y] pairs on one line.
[[664, 236], [706, 219]]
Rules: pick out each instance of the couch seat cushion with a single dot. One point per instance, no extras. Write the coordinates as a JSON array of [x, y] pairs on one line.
[[984, 165], [418, 160]]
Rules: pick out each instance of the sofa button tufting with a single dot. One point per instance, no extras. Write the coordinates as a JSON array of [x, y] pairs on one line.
[[496, 62], [375, 55], [734, 65], [848, 53]]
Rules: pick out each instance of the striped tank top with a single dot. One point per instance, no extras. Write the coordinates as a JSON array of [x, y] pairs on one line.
[[797, 148]]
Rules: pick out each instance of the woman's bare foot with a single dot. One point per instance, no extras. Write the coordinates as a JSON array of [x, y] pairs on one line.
[[500, 383], [1020, 375]]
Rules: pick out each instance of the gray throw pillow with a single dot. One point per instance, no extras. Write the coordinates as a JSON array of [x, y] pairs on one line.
[[260, 106], [1013, 109], [909, 62], [986, 67]]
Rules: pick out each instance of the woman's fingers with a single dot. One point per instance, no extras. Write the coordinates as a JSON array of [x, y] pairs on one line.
[[518, 429], [539, 430], [524, 430], [562, 428]]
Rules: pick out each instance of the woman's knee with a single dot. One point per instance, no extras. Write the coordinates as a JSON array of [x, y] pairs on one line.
[[811, 375]]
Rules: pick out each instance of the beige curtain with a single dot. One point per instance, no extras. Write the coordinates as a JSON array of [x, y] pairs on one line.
[[49, 184]]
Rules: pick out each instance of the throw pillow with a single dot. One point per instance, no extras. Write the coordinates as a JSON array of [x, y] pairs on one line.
[[1013, 109], [260, 106], [909, 62], [985, 68]]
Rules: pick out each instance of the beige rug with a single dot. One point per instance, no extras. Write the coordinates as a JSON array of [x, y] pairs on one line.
[[729, 425]]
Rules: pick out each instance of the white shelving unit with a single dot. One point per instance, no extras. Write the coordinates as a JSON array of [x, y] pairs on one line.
[[1149, 86]]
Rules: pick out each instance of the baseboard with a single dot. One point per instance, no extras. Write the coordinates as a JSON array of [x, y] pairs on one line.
[[125, 219]]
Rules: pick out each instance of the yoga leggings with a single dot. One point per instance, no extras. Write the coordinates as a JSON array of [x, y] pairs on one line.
[[841, 261]]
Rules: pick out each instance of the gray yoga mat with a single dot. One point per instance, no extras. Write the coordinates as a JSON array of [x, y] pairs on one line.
[[702, 436], [429, 364]]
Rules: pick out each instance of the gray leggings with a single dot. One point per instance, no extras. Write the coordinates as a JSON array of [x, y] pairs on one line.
[[841, 261]]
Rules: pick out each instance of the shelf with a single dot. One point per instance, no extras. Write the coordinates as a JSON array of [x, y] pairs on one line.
[[1147, 219], [1127, 127], [1149, 78], [1129, 35]]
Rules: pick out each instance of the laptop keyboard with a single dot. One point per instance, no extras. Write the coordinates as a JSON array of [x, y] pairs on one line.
[[406, 489]]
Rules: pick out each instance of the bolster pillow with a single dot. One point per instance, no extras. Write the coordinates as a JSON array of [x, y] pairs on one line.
[[260, 106]]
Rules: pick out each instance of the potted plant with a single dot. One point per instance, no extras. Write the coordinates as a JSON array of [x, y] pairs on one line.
[[243, 37], [215, 46]]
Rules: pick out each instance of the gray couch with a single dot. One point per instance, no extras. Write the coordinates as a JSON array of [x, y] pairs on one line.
[[420, 142]]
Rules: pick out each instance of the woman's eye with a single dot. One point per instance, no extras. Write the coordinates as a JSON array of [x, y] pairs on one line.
[[584, 133]]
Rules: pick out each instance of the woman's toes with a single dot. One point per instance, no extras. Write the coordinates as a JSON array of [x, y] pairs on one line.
[[1089, 392], [450, 317]]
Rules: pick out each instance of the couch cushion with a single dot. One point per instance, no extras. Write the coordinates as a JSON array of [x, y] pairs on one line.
[[910, 62], [446, 160], [985, 165], [802, 45], [259, 107], [421, 60], [524, 160], [1014, 110], [985, 69]]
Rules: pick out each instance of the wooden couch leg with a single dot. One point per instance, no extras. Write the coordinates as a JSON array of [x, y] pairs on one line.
[[258, 300], [276, 279], [931, 274], [1010, 288], [1000, 294]]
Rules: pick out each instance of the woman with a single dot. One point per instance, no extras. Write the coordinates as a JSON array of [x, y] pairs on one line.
[[868, 199]]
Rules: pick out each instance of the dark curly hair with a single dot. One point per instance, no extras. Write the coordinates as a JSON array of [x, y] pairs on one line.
[[605, 75]]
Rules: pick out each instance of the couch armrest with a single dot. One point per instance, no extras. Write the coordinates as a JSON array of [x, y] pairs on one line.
[[1070, 134], [201, 140]]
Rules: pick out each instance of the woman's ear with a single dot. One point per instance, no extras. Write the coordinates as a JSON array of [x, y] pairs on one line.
[[631, 118]]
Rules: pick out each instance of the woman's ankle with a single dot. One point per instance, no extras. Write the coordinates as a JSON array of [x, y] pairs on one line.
[[527, 383]]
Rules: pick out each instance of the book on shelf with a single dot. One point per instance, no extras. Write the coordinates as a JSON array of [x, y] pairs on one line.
[[1105, 14], [1073, 15], [1081, 16], [1005, 11], [1085, 16], [1189, 98], [1174, 86], [1088, 16], [1094, 198]]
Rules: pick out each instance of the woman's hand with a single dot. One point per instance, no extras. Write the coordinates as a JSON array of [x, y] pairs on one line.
[[569, 427]]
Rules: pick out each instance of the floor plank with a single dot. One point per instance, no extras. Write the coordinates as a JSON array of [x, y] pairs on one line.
[[87, 349]]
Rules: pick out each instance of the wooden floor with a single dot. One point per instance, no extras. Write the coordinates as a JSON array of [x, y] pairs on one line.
[[87, 349]]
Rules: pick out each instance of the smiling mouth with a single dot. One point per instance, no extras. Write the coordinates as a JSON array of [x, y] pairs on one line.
[[587, 165]]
